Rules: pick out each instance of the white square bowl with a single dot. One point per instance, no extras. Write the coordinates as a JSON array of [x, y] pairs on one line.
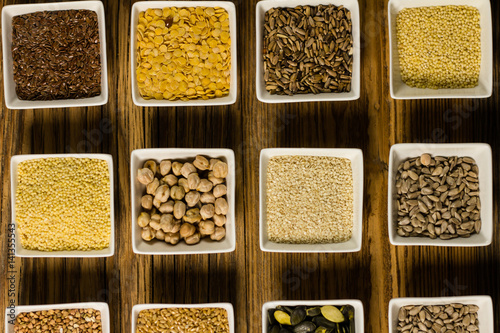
[[22, 252], [485, 313], [11, 313], [264, 96], [139, 307], [352, 245], [141, 6], [137, 159], [356, 304], [481, 153], [399, 90], [11, 99]]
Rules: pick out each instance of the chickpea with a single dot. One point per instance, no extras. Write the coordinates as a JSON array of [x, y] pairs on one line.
[[147, 234], [143, 219], [207, 198], [213, 179], [167, 207], [221, 206], [206, 228], [213, 161], [167, 222], [219, 220], [220, 190], [162, 193], [156, 203], [170, 180], [151, 165], [220, 169], [201, 163], [187, 169], [165, 167], [155, 217], [207, 211], [192, 198], [147, 202], [177, 226], [160, 235], [151, 187], [154, 224], [204, 186], [187, 229], [218, 234], [172, 238], [145, 176], [183, 182], [193, 181], [179, 209], [176, 168], [192, 216], [177, 192], [194, 239]]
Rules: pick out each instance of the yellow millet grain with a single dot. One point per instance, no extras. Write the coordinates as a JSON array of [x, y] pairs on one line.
[[63, 204], [309, 199], [439, 46]]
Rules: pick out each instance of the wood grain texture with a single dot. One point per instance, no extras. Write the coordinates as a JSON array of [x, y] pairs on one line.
[[249, 277]]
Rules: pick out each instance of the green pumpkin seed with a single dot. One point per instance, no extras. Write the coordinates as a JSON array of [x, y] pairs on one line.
[[313, 312], [275, 329], [304, 327], [270, 317], [332, 313], [322, 321], [298, 315], [282, 317], [284, 330]]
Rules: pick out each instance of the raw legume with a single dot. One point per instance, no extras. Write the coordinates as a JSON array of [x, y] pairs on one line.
[[177, 320], [63, 204], [71, 320], [440, 46], [309, 199], [56, 55], [438, 318], [308, 49], [183, 53], [438, 197]]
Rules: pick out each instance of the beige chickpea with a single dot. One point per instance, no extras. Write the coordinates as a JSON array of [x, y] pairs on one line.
[[221, 206], [172, 238], [220, 169], [177, 192], [162, 193], [160, 235], [187, 229], [207, 211], [147, 234], [183, 182], [192, 216], [147, 201], [219, 233], [170, 180], [165, 167], [167, 207], [212, 162], [194, 239], [192, 198], [156, 203], [155, 225], [155, 217], [214, 180], [220, 190], [187, 169], [179, 209], [207, 198], [201, 163], [177, 226], [176, 168], [145, 176], [151, 165], [143, 219], [167, 222], [205, 186], [219, 220], [151, 187], [206, 227], [193, 181]]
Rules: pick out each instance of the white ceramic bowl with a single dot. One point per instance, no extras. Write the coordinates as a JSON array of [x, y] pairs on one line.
[[11, 313], [22, 252], [356, 158], [399, 90], [485, 313], [11, 99], [481, 153], [356, 304], [264, 96], [137, 159], [227, 306], [141, 6]]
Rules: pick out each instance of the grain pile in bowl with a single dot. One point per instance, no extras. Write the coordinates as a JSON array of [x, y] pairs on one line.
[[63, 204], [178, 320], [309, 199], [183, 53], [59, 320], [440, 46]]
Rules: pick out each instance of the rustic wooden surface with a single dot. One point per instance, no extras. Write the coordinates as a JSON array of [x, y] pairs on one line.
[[248, 277]]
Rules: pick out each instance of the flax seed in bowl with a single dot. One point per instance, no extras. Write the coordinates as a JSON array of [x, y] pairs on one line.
[[311, 200], [63, 205]]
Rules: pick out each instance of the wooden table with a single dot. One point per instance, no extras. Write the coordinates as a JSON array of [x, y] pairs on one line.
[[248, 277]]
